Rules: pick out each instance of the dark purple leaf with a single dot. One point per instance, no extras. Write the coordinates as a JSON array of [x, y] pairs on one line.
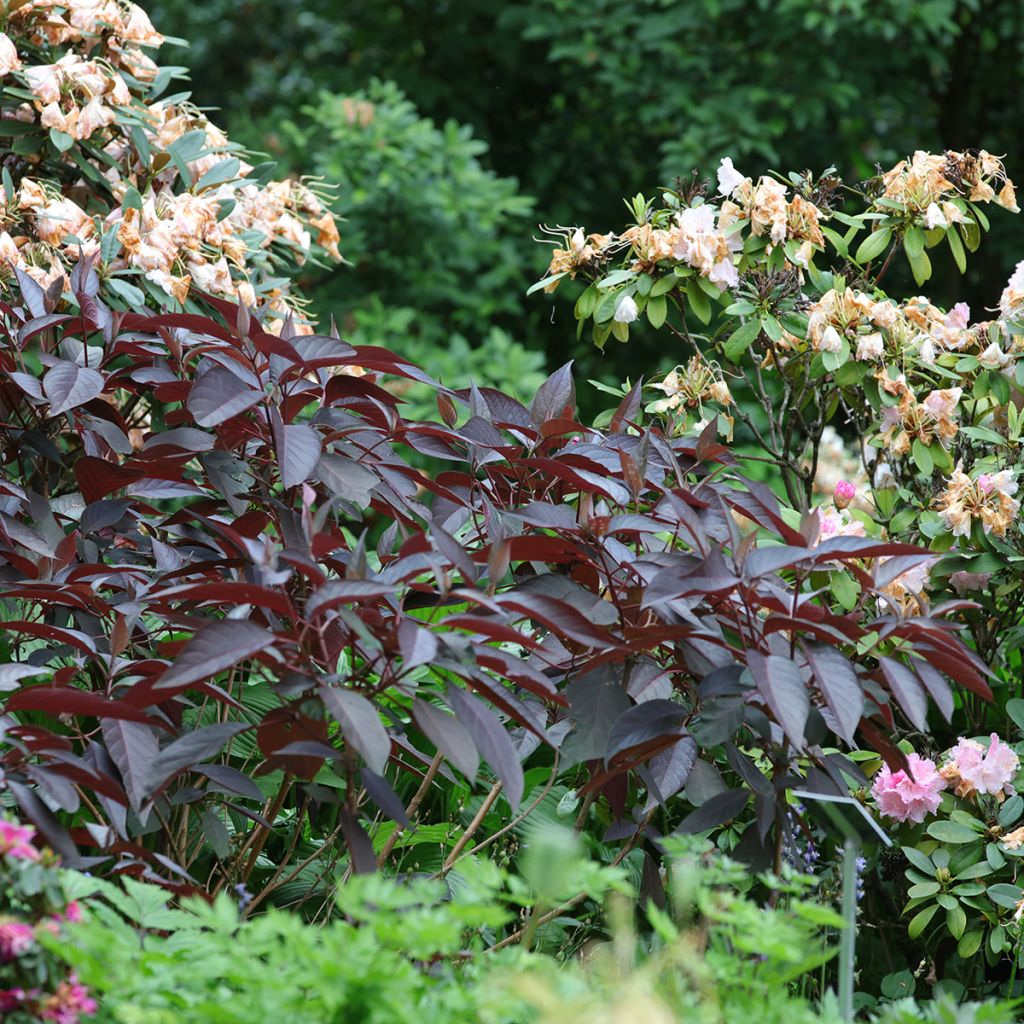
[[780, 683], [714, 812], [68, 385], [491, 740], [133, 747], [360, 724], [642, 723], [214, 648], [218, 395], [448, 734], [188, 751], [840, 686], [907, 690]]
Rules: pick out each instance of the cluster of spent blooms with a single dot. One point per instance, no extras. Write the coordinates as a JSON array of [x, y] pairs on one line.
[[988, 499], [580, 251], [150, 185], [931, 420], [695, 237], [934, 185], [688, 388], [769, 211], [971, 770], [34, 984]]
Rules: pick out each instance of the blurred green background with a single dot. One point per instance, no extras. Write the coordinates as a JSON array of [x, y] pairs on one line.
[[452, 129]]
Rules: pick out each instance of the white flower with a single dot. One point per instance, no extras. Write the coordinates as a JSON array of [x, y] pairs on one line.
[[870, 346], [831, 340], [729, 179], [626, 311], [993, 358], [933, 217], [927, 351], [723, 273], [9, 60]]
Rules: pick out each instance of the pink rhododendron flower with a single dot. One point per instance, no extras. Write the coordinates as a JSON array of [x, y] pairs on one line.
[[909, 795], [16, 841], [973, 769], [15, 938]]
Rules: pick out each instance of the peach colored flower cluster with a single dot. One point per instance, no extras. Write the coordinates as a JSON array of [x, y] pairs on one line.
[[928, 184], [972, 768], [580, 251], [769, 211], [168, 225], [988, 499], [695, 238]]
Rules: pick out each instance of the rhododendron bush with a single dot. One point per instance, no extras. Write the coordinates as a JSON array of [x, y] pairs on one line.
[[773, 291], [102, 161]]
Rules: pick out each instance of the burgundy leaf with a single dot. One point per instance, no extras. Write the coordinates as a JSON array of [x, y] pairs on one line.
[[218, 395], [780, 683], [298, 452], [839, 685], [447, 733], [654, 719], [907, 690], [714, 812], [133, 747], [215, 647], [360, 724], [187, 751], [68, 385], [491, 740]]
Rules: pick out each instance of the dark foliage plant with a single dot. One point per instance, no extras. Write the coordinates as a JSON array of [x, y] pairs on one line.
[[234, 615]]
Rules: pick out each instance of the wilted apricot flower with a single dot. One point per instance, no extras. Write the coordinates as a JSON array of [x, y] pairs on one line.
[[908, 795], [973, 769], [1014, 840], [989, 499]]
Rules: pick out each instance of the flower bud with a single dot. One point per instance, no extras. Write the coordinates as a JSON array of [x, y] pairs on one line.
[[844, 494]]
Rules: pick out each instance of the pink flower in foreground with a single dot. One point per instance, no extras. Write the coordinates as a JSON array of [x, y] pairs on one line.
[[16, 841], [909, 795], [70, 1000], [15, 938], [973, 769]]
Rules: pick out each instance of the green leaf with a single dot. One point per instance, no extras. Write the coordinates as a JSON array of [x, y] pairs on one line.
[[664, 285], [921, 920], [970, 943], [873, 245], [922, 891], [1011, 810], [1015, 709], [997, 939], [741, 340], [957, 248], [224, 170], [699, 302], [956, 921], [920, 860], [586, 303], [1005, 895], [920, 266], [950, 832], [61, 140], [657, 310], [923, 457], [913, 242]]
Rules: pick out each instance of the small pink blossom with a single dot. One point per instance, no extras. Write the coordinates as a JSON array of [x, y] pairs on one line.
[[11, 999], [73, 912], [15, 938], [983, 771], [959, 316], [909, 795], [70, 1000], [16, 841], [844, 493]]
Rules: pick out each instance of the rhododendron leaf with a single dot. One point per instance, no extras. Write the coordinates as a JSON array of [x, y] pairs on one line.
[[951, 832], [969, 943], [874, 245], [741, 339], [921, 920]]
